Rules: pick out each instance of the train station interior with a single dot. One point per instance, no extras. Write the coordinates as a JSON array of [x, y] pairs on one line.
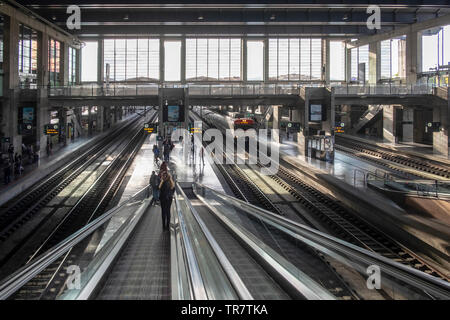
[[212, 150]]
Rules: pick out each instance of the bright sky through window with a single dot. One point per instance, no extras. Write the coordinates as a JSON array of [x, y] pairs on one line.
[[255, 60], [172, 60], [89, 62]]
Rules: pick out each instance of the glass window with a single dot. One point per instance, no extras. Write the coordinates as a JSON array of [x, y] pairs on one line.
[[435, 48], [316, 59], [54, 62], [337, 61], [72, 65], [305, 59], [295, 59], [27, 57], [212, 59], [255, 60], [132, 59], [89, 62], [172, 60]]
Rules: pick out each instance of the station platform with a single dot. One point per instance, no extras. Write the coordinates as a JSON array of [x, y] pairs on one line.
[[46, 164], [412, 148], [346, 168], [138, 177]]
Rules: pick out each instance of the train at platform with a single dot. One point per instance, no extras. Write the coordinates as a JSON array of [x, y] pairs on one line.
[[230, 121]]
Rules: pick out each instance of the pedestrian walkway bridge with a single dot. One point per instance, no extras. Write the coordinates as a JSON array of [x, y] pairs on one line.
[[251, 93], [218, 247]]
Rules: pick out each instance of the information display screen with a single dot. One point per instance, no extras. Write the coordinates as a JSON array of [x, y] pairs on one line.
[[173, 113], [51, 129], [315, 114]]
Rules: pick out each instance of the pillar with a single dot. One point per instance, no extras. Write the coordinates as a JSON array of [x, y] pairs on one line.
[[413, 56], [374, 62], [441, 140], [9, 126], [100, 118], [42, 112], [389, 124], [276, 124], [408, 124]]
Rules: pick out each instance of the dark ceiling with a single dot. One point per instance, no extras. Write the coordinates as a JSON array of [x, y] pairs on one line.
[[274, 17]]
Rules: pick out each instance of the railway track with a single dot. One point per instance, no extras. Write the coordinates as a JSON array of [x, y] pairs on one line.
[[302, 256], [15, 213], [90, 205], [406, 165]]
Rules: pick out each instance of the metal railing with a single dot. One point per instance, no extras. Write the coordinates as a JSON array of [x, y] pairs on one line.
[[402, 281], [390, 89], [14, 282], [238, 89]]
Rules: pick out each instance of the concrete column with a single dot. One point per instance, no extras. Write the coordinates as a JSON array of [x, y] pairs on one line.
[[100, 65], [42, 112], [408, 124], [389, 124], [244, 59], [441, 140], [374, 62], [413, 56], [64, 64], [327, 58], [266, 59], [11, 90], [161, 59], [100, 118], [183, 60], [348, 64], [276, 124]]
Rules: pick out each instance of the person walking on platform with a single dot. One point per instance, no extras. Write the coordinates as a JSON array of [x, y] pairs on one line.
[[7, 172], [156, 153], [167, 189], [11, 152], [202, 155], [167, 152], [154, 184]]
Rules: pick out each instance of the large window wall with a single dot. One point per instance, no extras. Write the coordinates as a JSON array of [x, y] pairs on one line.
[[132, 59], [436, 48], [295, 59], [213, 59], [393, 58], [27, 55], [89, 62], [72, 65], [360, 56], [54, 62], [337, 60]]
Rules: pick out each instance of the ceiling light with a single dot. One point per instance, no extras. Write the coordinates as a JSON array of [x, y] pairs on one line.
[[54, 18], [127, 17], [345, 17], [200, 17], [273, 17]]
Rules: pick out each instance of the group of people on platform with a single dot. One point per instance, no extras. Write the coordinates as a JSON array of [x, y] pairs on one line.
[[13, 164], [167, 148]]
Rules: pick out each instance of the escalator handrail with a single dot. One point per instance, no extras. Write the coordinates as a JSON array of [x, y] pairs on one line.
[[228, 268], [14, 282], [419, 279]]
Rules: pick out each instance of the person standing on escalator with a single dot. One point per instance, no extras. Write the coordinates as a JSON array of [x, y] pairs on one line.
[[166, 189]]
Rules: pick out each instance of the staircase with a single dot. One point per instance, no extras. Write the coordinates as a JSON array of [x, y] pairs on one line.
[[366, 118]]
